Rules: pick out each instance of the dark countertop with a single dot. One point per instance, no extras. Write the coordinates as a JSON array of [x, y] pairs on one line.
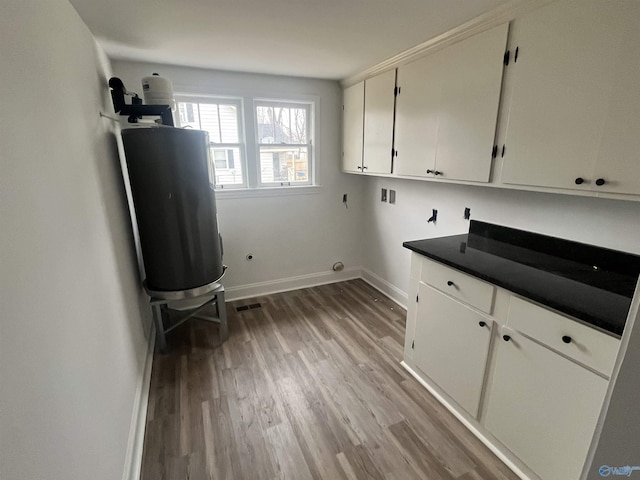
[[590, 283]]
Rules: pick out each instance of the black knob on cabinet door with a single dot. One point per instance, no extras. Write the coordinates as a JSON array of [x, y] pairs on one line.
[[437, 172], [451, 284], [482, 324], [566, 339], [429, 171], [600, 182], [579, 181], [506, 338], [364, 168], [359, 167]]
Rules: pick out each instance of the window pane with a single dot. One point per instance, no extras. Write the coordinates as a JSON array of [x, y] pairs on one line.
[[227, 165], [209, 121], [189, 115], [280, 125], [229, 123], [284, 164]]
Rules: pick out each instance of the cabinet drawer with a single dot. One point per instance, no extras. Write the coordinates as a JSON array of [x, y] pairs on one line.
[[459, 285], [584, 344]]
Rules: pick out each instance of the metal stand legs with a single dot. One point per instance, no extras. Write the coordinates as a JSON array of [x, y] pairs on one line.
[[160, 317]]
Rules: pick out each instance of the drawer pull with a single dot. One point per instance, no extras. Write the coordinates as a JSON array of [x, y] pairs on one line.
[[482, 324], [566, 339], [451, 284], [579, 181], [506, 338], [600, 182]]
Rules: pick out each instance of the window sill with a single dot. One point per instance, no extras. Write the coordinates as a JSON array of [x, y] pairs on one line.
[[222, 194]]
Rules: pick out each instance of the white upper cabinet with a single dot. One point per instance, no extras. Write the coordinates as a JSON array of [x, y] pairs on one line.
[[573, 114], [379, 104], [447, 108], [417, 111], [353, 127]]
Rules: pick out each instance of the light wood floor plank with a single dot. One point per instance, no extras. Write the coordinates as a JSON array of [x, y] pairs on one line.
[[308, 386]]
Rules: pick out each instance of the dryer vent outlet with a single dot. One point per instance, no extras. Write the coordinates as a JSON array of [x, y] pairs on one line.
[[338, 266]]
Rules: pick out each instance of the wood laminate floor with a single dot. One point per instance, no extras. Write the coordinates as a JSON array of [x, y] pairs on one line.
[[308, 386]]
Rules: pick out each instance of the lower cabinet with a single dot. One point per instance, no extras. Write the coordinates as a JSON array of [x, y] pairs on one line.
[[543, 407], [451, 345], [529, 380]]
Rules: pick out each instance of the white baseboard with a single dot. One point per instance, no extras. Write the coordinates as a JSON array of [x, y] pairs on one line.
[[290, 283], [133, 460], [508, 461], [390, 290]]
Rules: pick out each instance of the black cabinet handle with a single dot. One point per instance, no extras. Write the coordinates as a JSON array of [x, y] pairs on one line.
[[429, 171], [359, 167], [579, 181], [600, 182], [437, 172], [506, 338], [566, 339], [364, 168], [451, 284], [482, 324]]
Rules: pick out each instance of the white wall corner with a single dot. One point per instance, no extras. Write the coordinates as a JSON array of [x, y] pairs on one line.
[[133, 460], [390, 290]]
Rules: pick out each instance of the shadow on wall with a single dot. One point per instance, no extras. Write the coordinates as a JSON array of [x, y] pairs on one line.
[[116, 200]]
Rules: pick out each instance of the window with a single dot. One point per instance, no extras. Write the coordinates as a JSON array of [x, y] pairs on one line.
[[284, 143], [222, 119], [281, 155]]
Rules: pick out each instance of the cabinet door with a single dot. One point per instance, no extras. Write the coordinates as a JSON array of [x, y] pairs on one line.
[[543, 407], [451, 346], [352, 127], [566, 68], [379, 103], [469, 106], [618, 162], [417, 112]]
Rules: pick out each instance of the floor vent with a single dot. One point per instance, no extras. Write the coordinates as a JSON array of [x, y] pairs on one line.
[[248, 307]]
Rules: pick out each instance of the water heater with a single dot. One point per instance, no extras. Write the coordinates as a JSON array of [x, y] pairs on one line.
[[175, 205]]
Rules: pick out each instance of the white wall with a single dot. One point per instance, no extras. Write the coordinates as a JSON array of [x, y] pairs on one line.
[[291, 235], [72, 345], [609, 223]]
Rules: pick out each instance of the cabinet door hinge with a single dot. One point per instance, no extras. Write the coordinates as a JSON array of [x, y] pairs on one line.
[[494, 151], [416, 298], [507, 56], [503, 148], [515, 55], [413, 344], [396, 91]]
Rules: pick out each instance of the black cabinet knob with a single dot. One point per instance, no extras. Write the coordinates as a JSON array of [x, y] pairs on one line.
[[566, 339], [482, 324], [600, 182], [359, 167], [451, 284], [429, 171], [364, 168], [506, 338], [437, 172], [579, 181]]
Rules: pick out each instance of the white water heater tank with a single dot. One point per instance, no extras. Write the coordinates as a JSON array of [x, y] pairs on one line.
[[157, 90]]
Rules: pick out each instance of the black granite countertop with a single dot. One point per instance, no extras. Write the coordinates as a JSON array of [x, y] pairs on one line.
[[590, 283]]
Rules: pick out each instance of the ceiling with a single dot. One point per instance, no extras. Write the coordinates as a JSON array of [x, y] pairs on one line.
[[330, 39]]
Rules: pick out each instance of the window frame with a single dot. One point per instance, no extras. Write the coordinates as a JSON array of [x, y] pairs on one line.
[[238, 102], [309, 107]]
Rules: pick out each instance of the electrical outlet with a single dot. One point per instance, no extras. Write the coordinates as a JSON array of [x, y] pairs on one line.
[[392, 196], [383, 195], [467, 213]]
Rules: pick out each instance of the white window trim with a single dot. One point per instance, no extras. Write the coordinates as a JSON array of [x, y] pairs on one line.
[[311, 154]]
